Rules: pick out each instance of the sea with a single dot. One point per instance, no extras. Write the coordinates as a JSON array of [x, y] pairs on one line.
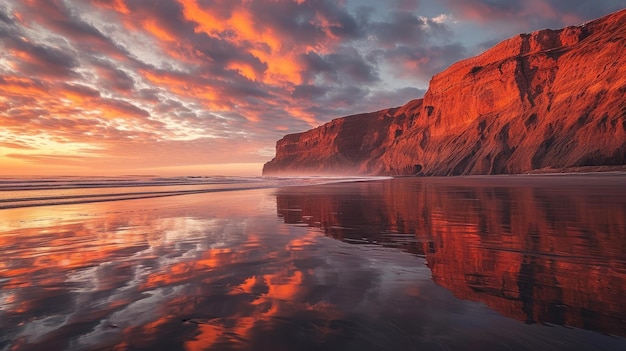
[[517, 262]]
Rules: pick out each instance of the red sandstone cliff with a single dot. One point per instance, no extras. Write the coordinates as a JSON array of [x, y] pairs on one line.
[[551, 99]]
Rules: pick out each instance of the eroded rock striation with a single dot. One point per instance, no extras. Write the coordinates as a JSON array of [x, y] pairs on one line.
[[553, 99]]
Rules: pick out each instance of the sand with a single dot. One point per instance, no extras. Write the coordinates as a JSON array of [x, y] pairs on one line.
[[398, 264]]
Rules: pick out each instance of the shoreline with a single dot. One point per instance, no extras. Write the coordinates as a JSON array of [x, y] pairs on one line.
[[85, 195]]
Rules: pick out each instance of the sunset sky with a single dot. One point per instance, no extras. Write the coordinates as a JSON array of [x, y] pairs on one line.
[[204, 87]]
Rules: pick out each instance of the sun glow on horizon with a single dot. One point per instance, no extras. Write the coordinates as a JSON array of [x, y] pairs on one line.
[[28, 167]]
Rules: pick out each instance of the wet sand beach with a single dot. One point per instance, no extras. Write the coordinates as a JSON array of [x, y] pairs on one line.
[[469, 263]]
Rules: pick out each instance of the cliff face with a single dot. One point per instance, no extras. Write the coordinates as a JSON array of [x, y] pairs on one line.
[[351, 144], [550, 99]]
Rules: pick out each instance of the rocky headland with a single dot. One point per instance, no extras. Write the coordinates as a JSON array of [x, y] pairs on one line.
[[551, 100]]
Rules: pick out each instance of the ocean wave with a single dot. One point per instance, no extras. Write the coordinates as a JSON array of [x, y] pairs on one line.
[[30, 192]]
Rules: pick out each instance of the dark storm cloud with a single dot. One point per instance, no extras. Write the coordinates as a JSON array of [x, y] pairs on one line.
[[346, 65], [5, 18], [219, 52], [346, 96], [57, 17], [484, 46], [42, 60], [124, 108], [167, 13], [539, 14], [408, 29], [586, 9], [171, 106], [401, 28], [394, 98], [149, 95], [111, 77], [407, 5], [486, 9], [245, 89], [308, 92], [315, 63], [412, 46], [422, 62], [333, 103], [81, 90], [307, 21]]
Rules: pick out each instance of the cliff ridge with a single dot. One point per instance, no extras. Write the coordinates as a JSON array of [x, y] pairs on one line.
[[552, 99]]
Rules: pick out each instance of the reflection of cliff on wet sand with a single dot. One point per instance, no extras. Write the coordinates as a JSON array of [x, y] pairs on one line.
[[540, 249]]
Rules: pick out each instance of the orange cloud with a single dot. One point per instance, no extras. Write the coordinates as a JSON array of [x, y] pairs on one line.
[[185, 87], [244, 69], [115, 5], [218, 76], [265, 42], [206, 20], [155, 29], [21, 86]]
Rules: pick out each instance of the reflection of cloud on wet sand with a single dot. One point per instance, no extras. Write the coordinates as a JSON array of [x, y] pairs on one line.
[[201, 276], [105, 263], [217, 271]]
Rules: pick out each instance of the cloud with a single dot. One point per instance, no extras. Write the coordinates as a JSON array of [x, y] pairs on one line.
[[15, 145], [308, 92], [582, 9], [407, 5], [78, 91], [405, 28], [58, 18], [4, 17], [423, 62], [538, 13], [56, 160], [346, 65], [394, 98], [128, 76], [41, 60], [111, 77], [118, 108]]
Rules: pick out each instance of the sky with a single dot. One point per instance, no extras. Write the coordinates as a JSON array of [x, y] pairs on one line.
[[207, 87]]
